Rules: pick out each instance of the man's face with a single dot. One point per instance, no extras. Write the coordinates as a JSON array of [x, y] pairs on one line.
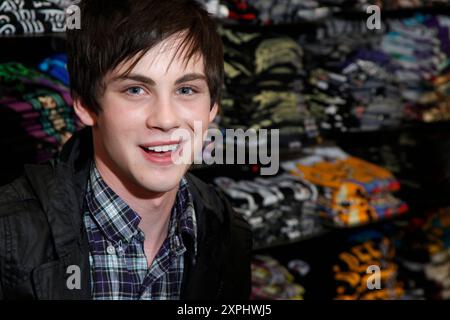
[[140, 113]]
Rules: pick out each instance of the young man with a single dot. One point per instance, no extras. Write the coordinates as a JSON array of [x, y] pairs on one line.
[[114, 216]]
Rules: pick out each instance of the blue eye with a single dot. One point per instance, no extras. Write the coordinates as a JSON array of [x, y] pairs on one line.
[[135, 91], [186, 91]]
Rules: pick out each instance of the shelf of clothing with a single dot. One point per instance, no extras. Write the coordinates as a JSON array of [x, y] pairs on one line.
[[33, 35], [304, 26], [330, 230], [406, 126], [283, 243], [395, 13]]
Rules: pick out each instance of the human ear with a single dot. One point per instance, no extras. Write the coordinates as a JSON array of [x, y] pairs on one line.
[[86, 116]]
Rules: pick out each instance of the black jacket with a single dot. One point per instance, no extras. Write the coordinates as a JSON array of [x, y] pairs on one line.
[[41, 234]]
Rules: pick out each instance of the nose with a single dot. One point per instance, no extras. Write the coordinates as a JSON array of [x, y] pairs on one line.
[[163, 115]]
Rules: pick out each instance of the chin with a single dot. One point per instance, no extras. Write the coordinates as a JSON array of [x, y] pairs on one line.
[[161, 186], [163, 180]]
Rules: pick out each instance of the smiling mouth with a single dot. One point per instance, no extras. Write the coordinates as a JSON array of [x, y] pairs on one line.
[[162, 149]]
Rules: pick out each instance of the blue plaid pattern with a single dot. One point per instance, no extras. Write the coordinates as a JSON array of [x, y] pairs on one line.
[[118, 263]]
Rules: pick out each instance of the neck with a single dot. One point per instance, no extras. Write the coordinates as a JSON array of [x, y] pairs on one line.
[[154, 208]]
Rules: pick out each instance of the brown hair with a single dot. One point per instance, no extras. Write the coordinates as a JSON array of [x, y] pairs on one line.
[[115, 31]]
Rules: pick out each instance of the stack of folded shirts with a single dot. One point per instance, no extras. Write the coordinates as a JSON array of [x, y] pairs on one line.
[[329, 100], [63, 4], [272, 281], [361, 81], [343, 78], [31, 17], [434, 106], [361, 5], [37, 115], [419, 49], [352, 191], [290, 11], [347, 86], [263, 82], [267, 12], [369, 255], [239, 11], [280, 208], [374, 91], [409, 4]]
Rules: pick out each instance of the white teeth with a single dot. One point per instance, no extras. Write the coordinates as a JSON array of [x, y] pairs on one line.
[[165, 148]]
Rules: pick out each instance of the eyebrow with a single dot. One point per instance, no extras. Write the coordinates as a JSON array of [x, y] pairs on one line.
[[151, 82], [190, 77], [136, 77]]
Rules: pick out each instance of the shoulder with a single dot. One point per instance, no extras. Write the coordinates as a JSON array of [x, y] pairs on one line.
[[21, 212], [23, 225], [14, 195], [24, 190], [231, 233], [215, 200]]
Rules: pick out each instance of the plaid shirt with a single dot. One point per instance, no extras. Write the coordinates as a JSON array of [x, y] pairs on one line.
[[119, 269]]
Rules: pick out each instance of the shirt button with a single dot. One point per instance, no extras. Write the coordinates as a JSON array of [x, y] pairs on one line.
[[111, 250]]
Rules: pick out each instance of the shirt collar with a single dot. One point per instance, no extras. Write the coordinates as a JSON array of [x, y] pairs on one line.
[[119, 223], [184, 215]]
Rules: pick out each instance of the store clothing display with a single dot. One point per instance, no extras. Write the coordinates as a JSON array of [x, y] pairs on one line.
[[63, 4], [272, 281], [31, 17], [418, 156], [351, 191], [37, 110], [411, 4], [368, 252], [240, 10], [280, 208], [290, 11], [419, 49], [263, 83], [343, 81], [357, 77], [296, 11]]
